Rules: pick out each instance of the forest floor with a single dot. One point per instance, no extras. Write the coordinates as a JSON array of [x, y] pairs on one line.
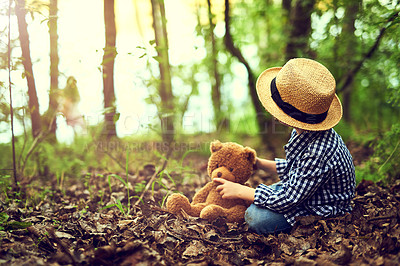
[[68, 226]]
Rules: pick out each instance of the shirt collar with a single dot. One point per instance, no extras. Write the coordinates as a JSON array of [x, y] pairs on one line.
[[297, 142]]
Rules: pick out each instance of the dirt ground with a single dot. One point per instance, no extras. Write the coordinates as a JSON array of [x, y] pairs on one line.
[[68, 227]]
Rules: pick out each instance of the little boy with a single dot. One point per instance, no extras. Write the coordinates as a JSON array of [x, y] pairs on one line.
[[317, 177]]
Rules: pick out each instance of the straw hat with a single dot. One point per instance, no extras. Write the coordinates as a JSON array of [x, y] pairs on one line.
[[301, 94]]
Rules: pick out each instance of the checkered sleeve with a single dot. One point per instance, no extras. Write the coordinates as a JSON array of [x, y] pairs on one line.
[[280, 166], [302, 183]]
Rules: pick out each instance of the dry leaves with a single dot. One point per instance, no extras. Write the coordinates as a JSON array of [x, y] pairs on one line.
[[66, 232]]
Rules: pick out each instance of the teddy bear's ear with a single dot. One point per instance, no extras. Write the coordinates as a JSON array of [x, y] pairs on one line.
[[250, 154], [215, 146]]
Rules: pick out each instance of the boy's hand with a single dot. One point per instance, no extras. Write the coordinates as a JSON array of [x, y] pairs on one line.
[[232, 190]]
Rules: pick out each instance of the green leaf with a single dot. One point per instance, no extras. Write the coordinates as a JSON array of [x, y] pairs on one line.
[[17, 225], [184, 155], [120, 207], [119, 178], [108, 110], [108, 206], [157, 58], [3, 218], [149, 100], [127, 165], [116, 117], [170, 178], [109, 183], [159, 155]]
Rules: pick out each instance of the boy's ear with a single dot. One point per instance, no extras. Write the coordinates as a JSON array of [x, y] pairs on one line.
[[215, 146], [250, 155]]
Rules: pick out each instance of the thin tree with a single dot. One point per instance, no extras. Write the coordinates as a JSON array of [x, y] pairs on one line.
[[287, 8], [166, 110], [54, 61], [110, 53], [14, 169], [33, 102], [349, 41], [263, 121], [299, 28], [220, 120]]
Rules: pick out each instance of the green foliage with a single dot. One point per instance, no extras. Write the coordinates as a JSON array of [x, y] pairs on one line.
[[46, 158], [385, 162], [5, 185], [258, 28], [6, 225]]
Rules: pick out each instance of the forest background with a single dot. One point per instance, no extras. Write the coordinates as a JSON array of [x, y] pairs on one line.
[[104, 86]]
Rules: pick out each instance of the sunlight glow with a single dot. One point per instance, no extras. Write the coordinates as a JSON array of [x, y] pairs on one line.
[[81, 42]]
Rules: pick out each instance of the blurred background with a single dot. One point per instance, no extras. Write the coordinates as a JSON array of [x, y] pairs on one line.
[[92, 81]]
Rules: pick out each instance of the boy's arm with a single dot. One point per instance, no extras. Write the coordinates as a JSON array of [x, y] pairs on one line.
[[266, 165], [232, 190]]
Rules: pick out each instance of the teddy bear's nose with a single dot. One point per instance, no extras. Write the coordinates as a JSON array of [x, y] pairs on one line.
[[219, 174]]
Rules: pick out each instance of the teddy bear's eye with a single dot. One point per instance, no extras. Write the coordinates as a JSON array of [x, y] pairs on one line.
[[230, 169], [217, 165]]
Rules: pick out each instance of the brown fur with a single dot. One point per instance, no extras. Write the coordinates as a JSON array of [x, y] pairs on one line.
[[230, 161]]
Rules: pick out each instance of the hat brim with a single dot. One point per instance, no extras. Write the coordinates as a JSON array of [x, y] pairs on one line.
[[333, 117]]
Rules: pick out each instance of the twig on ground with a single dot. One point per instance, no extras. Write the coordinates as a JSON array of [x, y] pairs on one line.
[[381, 218], [153, 177], [115, 159], [62, 245]]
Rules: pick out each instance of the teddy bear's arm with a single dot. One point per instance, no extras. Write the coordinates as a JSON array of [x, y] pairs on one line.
[[202, 194]]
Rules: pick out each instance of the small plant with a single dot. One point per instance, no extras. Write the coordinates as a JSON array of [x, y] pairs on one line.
[[101, 194], [140, 186], [5, 185], [56, 224], [3, 220], [160, 182], [84, 210], [60, 181], [124, 210], [87, 183]]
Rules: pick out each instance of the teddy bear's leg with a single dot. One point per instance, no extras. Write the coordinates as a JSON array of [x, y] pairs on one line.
[[197, 208], [236, 214], [177, 202], [212, 212]]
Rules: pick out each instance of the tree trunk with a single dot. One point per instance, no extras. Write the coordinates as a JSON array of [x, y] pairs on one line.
[[287, 8], [264, 123], [166, 110], [33, 101], [54, 61], [349, 41], [299, 29], [110, 53], [220, 121]]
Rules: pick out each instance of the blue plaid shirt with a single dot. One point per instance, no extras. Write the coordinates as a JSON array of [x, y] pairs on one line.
[[317, 177]]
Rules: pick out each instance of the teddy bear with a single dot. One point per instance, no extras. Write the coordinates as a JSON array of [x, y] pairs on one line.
[[230, 161]]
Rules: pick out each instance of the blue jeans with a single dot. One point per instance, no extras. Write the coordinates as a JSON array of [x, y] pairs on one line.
[[265, 221]]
